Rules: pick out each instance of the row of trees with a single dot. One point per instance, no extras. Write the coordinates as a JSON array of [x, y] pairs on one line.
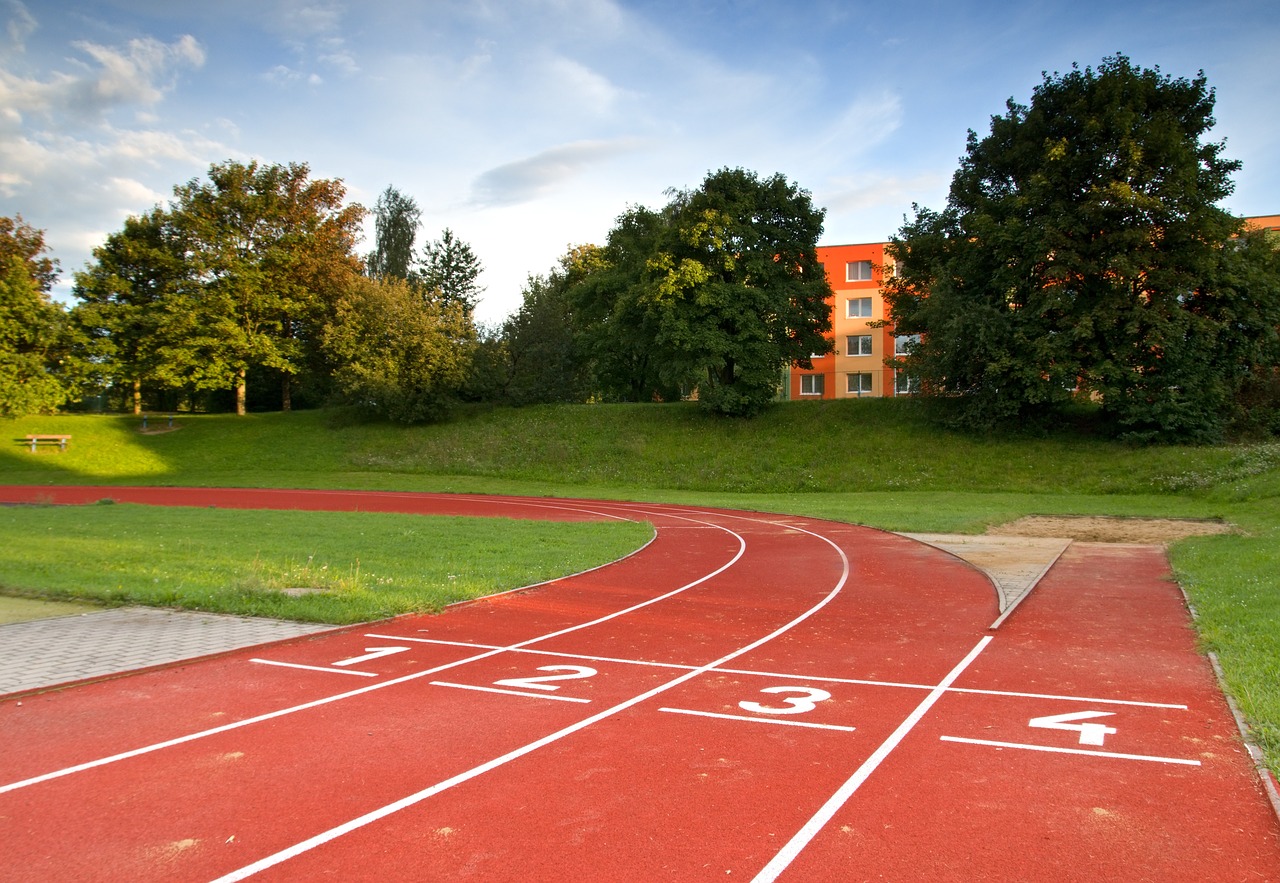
[[250, 273], [1082, 253]]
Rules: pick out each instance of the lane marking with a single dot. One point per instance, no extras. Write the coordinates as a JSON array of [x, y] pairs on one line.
[[802, 838], [316, 703], [372, 653], [1113, 754], [507, 692], [416, 798], [793, 677], [336, 671], [757, 720]]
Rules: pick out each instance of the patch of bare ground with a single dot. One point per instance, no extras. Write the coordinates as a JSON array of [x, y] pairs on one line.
[[1111, 529]]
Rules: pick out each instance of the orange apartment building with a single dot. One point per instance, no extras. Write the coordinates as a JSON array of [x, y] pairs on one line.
[[857, 367]]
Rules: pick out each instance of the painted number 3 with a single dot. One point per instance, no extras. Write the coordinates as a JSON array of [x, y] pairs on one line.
[[806, 700]]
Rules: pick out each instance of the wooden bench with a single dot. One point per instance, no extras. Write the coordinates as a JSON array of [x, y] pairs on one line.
[[59, 440]]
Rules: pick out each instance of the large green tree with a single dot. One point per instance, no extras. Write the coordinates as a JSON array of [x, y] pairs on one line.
[[33, 329], [396, 221], [127, 297], [542, 343], [718, 292], [399, 356], [269, 251], [450, 270], [1082, 251]]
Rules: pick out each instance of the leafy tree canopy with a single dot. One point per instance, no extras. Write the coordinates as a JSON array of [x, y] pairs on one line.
[[396, 221], [33, 330], [718, 292], [1082, 247], [450, 270]]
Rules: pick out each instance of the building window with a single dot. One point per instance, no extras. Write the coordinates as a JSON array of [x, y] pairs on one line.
[[903, 344], [856, 307], [858, 345], [860, 384], [857, 271], [811, 384], [904, 384]]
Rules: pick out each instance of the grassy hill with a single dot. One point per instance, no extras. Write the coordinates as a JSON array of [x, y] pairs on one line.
[[873, 462]]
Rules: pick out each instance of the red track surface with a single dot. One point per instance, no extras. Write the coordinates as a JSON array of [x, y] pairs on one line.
[[749, 696]]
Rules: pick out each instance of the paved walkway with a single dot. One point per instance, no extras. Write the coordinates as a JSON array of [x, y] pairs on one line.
[[47, 652]]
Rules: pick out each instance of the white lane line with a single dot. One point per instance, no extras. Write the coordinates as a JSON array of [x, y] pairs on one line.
[[757, 720], [794, 677], [507, 692], [413, 799], [336, 671], [272, 715], [802, 838], [1052, 750]]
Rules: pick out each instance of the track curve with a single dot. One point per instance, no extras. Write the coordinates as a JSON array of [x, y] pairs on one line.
[[707, 707]]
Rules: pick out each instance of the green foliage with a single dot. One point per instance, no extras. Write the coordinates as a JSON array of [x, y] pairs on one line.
[[126, 298], [237, 275], [34, 335], [1082, 245], [396, 221], [718, 292], [399, 357], [450, 271], [544, 360]]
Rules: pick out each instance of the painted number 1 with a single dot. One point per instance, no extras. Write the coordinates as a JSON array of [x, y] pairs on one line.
[[806, 700]]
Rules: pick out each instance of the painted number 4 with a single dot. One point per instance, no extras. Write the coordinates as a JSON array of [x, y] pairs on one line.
[[1090, 733]]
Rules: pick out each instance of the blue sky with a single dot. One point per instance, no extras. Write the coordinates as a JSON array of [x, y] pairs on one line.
[[527, 126]]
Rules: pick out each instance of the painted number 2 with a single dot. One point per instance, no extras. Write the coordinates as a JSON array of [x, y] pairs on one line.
[[806, 700], [545, 682]]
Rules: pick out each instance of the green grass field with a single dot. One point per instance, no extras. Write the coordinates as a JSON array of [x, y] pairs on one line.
[[874, 462]]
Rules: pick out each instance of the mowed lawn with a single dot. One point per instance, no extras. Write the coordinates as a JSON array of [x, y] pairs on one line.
[[874, 462]]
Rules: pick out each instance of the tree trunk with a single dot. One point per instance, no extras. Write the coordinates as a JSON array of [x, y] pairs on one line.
[[137, 397], [240, 388]]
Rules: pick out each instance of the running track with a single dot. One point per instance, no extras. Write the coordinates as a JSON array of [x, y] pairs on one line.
[[748, 697]]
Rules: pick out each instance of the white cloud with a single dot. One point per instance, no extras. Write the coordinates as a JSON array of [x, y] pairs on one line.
[[139, 73], [21, 24], [538, 175]]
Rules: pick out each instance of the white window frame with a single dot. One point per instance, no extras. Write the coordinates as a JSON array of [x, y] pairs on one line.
[[864, 346], [857, 271], [902, 343], [904, 384], [849, 312], [860, 375], [814, 382]]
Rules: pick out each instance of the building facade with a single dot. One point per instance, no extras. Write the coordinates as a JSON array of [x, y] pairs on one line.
[[856, 368]]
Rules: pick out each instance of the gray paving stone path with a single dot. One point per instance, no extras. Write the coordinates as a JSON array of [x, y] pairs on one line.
[[47, 652]]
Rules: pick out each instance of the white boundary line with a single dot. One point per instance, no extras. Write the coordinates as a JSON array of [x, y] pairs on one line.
[[337, 671], [1092, 700], [507, 692], [1053, 750], [801, 839], [271, 715], [758, 720], [413, 799]]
